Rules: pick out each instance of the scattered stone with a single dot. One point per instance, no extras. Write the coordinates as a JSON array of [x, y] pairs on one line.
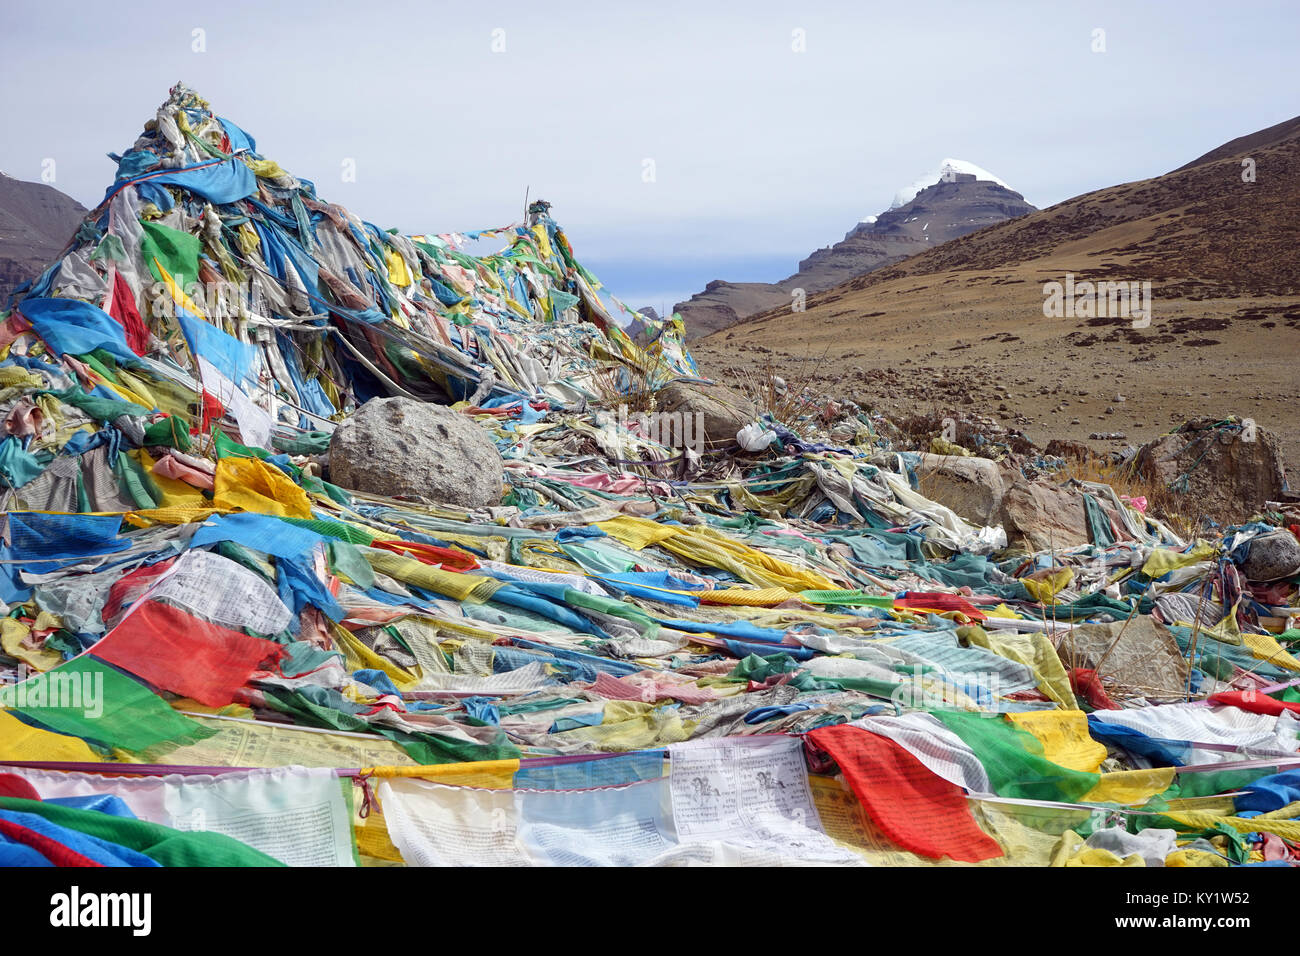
[[1064, 448]]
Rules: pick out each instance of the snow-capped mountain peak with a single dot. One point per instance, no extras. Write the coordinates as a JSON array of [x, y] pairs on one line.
[[948, 168]]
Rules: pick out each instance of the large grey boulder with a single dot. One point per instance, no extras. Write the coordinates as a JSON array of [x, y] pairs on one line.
[[1228, 472], [400, 447], [1272, 555], [722, 411], [972, 487], [1042, 516]]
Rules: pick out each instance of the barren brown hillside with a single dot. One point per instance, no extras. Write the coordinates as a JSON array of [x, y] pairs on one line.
[[963, 326], [36, 220]]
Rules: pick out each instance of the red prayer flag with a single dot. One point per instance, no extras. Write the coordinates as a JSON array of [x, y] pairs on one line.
[[913, 806], [12, 785], [1255, 702], [213, 411], [1086, 684], [182, 653], [448, 558], [130, 588], [939, 602], [122, 307]]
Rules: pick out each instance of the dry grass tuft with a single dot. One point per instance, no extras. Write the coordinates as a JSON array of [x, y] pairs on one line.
[[791, 394], [630, 384]]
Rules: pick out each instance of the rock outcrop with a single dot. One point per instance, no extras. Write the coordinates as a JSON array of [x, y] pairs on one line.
[[36, 221], [1042, 516], [1272, 556], [1221, 468]]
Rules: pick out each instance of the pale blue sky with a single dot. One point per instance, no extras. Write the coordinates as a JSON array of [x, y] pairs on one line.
[[761, 153]]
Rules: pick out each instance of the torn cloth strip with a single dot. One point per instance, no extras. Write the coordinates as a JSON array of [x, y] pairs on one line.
[[913, 806]]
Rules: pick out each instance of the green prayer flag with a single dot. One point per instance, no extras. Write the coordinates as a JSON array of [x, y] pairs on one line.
[[177, 251], [99, 409], [1013, 758], [345, 559], [86, 698], [1098, 523], [427, 748]]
